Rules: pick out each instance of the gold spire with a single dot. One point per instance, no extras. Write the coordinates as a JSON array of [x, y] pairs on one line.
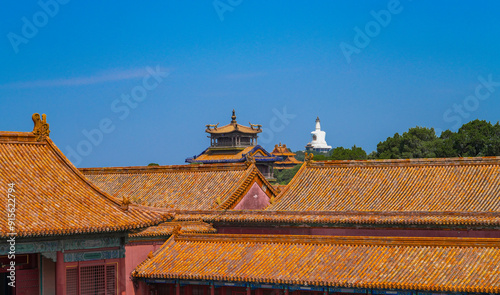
[[233, 117]]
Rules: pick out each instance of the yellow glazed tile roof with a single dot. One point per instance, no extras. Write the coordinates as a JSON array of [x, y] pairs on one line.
[[168, 228], [416, 185], [184, 187], [458, 219], [223, 155], [234, 127], [426, 264], [53, 198], [282, 150]]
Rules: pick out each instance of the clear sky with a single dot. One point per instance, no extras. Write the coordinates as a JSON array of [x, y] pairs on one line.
[[152, 74]]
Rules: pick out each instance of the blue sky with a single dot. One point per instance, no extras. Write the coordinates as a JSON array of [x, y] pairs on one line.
[[415, 63]]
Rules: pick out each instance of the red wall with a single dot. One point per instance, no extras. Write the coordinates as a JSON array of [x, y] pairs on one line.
[[358, 231], [136, 253], [254, 199]]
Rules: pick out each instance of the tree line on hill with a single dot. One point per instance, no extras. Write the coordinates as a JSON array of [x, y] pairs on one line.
[[477, 138], [474, 139]]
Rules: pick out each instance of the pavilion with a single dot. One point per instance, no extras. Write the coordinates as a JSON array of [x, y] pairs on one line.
[[235, 143]]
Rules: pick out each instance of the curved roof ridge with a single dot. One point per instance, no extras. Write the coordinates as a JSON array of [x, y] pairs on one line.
[[487, 160], [21, 137], [164, 168], [70, 165], [47, 181], [351, 240]]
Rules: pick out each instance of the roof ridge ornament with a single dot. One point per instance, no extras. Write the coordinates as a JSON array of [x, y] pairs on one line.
[[233, 118], [41, 128], [308, 158], [177, 230], [214, 126], [249, 159], [258, 126], [125, 202]]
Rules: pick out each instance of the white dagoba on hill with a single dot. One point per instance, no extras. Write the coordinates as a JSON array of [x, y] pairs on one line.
[[318, 142]]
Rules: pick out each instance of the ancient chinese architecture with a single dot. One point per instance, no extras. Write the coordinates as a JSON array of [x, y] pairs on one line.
[[318, 142], [182, 187], [263, 264], [288, 158], [188, 187], [356, 227], [395, 227], [235, 143], [63, 234]]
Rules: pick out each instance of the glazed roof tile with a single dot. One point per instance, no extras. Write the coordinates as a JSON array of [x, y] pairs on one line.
[[168, 228], [282, 150], [426, 264], [232, 155], [416, 185], [210, 155], [458, 219], [234, 127], [183, 187], [53, 198]]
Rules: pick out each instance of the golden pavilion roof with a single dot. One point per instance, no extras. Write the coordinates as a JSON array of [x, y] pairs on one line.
[[233, 127]]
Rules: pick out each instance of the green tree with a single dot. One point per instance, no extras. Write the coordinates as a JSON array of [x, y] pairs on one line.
[[153, 164], [477, 138], [340, 153], [300, 155], [418, 142], [284, 176]]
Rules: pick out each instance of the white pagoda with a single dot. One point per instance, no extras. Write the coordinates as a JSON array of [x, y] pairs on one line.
[[318, 142]]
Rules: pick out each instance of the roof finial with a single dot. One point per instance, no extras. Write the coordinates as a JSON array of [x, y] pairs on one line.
[[317, 119], [249, 159], [308, 158], [125, 202], [233, 117], [41, 128]]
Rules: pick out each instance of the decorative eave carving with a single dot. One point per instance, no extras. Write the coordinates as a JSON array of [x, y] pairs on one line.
[[176, 230], [249, 159], [210, 126], [125, 203], [41, 128], [257, 126], [308, 158]]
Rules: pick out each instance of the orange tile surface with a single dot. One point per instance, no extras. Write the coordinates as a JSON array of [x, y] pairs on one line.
[[282, 150], [184, 187], [168, 228], [54, 198], [232, 128], [230, 155], [425, 185], [447, 219], [426, 264]]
